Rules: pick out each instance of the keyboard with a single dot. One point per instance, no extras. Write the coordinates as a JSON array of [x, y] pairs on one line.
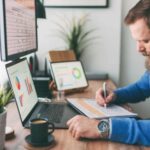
[[52, 112]]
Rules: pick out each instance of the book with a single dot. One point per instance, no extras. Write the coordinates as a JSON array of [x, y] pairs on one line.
[[92, 109]]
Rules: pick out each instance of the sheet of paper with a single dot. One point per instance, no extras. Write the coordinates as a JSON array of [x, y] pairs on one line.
[[91, 109]]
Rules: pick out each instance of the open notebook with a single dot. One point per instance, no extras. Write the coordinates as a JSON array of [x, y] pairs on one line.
[[90, 108]]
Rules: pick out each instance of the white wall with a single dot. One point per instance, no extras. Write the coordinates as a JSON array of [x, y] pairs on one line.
[[3, 75], [132, 63], [131, 60], [104, 56]]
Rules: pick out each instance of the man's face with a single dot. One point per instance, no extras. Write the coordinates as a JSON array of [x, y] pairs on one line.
[[141, 33]]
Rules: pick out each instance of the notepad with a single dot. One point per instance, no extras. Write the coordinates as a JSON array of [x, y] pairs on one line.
[[91, 109]]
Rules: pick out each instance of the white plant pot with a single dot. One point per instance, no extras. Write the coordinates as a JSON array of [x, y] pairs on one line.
[[2, 129]]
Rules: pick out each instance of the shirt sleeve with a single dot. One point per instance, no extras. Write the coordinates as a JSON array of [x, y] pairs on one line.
[[130, 131], [136, 92]]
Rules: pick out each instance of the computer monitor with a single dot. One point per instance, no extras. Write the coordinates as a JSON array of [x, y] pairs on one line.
[[18, 28], [69, 75], [22, 85]]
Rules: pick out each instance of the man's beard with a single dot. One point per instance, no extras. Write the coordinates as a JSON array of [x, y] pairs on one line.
[[147, 63]]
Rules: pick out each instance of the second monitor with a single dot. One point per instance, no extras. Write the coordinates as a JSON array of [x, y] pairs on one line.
[[69, 75]]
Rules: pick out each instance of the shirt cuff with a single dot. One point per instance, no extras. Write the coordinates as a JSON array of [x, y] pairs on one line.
[[110, 128]]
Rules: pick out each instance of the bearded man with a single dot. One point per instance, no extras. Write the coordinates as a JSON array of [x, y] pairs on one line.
[[125, 130]]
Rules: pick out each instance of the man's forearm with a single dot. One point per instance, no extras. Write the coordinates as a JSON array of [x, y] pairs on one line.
[[130, 131]]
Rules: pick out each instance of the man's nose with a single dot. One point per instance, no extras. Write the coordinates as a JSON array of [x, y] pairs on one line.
[[140, 47]]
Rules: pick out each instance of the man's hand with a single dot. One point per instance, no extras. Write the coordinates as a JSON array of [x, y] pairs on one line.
[[100, 99], [83, 127]]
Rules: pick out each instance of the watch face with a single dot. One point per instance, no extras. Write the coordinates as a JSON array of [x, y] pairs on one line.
[[103, 126]]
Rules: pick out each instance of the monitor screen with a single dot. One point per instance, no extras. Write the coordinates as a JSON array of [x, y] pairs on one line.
[[18, 28], [23, 86], [69, 75]]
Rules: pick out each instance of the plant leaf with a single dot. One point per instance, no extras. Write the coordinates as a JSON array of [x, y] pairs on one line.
[[75, 34]]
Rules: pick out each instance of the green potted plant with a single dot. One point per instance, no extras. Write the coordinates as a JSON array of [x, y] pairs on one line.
[[76, 34], [5, 95]]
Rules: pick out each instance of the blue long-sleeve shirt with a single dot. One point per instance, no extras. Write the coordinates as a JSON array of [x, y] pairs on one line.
[[130, 130]]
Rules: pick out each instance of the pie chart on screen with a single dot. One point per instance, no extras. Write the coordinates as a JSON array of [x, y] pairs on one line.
[[76, 73], [17, 82]]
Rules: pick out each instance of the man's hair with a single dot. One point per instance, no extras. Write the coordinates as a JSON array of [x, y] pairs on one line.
[[140, 10]]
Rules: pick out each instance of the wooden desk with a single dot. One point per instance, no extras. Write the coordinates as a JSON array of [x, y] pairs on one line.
[[64, 141]]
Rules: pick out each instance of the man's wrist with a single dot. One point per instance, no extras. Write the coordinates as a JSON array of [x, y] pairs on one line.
[[114, 97], [104, 128]]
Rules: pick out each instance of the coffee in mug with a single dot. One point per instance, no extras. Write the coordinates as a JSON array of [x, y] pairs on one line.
[[37, 121], [40, 130]]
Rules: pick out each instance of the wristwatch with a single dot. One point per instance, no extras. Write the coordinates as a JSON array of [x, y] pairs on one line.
[[103, 128]]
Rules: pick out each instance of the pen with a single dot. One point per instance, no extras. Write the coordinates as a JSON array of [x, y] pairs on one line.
[[105, 94]]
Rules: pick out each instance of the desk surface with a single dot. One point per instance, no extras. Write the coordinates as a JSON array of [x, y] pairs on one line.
[[64, 141]]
